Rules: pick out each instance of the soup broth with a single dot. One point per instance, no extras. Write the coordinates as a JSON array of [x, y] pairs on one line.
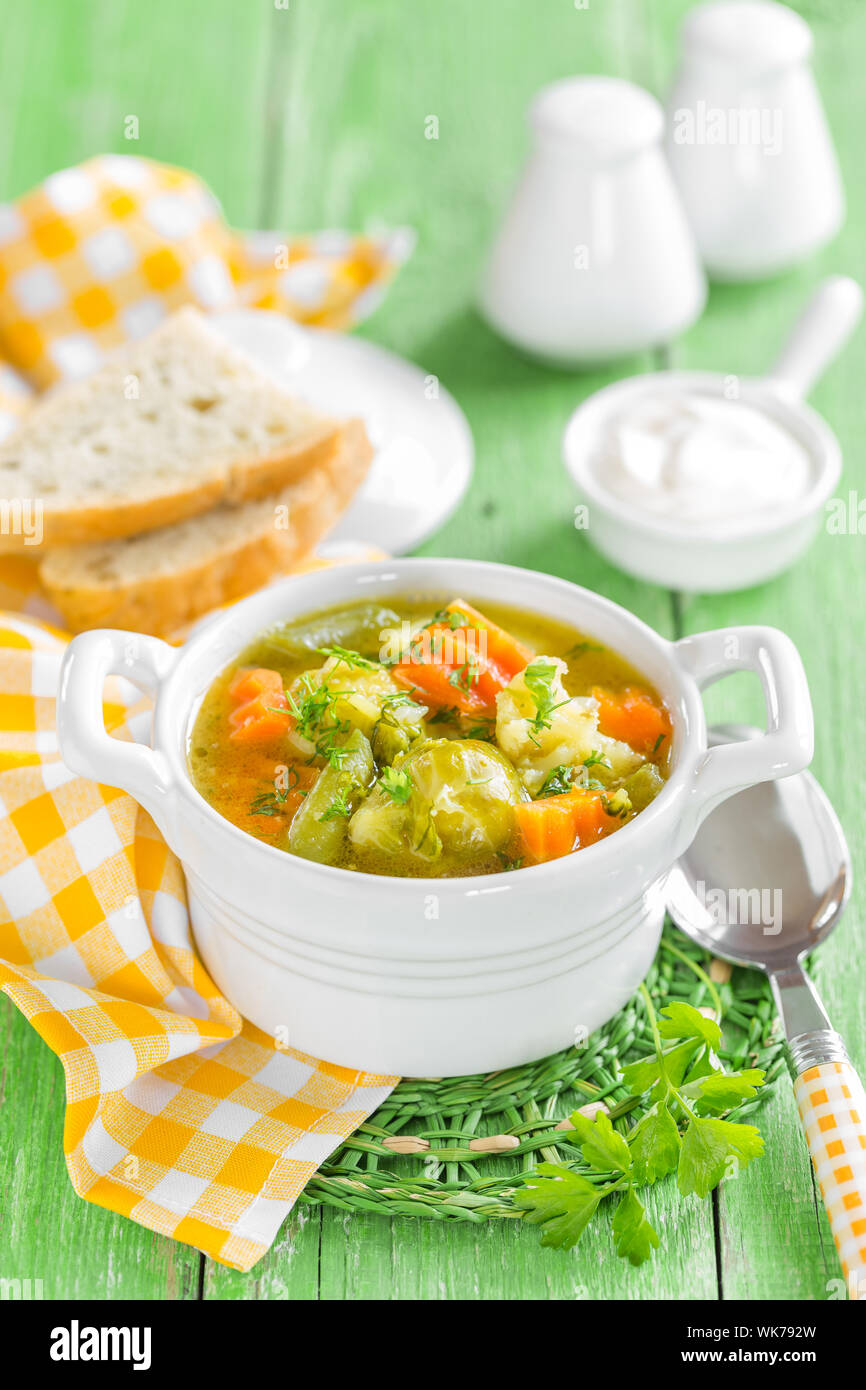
[[422, 737]]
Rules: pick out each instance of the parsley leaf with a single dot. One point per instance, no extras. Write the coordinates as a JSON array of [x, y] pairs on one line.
[[654, 1144], [559, 1200], [720, 1091], [538, 679], [398, 785], [709, 1146], [563, 1200], [602, 1146], [683, 1021], [639, 1076], [634, 1236]]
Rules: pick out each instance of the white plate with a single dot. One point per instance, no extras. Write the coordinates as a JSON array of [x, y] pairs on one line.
[[423, 443]]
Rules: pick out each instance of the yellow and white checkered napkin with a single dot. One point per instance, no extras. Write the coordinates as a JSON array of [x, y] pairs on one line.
[[179, 1113], [99, 254]]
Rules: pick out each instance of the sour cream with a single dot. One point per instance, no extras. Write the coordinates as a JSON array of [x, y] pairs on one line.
[[700, 459]]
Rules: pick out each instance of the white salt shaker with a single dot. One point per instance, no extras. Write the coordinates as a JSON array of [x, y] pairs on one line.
[[748, 140], [595, 258]]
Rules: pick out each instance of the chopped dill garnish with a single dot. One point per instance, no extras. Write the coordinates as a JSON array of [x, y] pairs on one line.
[[347, 657], [339, 808], [557, 782], [447, 714], [465, 676], [484, 732], [311, 711]]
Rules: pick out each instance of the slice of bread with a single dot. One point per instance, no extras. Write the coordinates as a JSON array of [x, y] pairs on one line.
[[168, 428], [161, 581]]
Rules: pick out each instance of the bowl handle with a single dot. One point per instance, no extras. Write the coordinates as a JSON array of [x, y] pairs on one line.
[[787, 744], [85, 745]]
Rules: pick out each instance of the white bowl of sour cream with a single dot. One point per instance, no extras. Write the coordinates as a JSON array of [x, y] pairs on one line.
[[705, 482]]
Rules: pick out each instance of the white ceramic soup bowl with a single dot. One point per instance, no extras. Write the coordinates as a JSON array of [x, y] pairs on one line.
[[429, 976]]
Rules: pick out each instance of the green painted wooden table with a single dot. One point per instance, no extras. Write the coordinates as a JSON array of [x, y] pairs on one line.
[[314, 115]]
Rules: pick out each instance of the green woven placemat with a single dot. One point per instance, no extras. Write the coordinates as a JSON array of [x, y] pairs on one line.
[[452, 1181]]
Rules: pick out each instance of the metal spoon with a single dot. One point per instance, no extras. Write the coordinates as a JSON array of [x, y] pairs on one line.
[[764, 881]]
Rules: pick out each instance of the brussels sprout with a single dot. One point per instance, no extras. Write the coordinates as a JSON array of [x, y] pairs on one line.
[[642, 786], [453, 800], [357, 626], [318, 830], [398, 728]]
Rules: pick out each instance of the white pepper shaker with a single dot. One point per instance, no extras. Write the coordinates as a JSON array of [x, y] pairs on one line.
[[595, 258], [748, 140]]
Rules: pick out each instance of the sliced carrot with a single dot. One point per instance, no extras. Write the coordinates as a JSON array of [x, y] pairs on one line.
[[634, 717], [257, 722], [464, 666], [432, 685], [591, 820], [546, 828], [262, 712], [446, 669], [556, 825], [250, 681], [503, 650]]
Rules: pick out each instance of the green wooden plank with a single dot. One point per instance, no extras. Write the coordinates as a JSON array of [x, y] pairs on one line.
[[289, 1271], [308, 153], [775, 1238], [47, 1233], [70, 75], [195, 77], [364, 158]]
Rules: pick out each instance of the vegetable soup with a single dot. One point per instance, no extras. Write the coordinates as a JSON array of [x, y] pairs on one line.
[[425, 738]]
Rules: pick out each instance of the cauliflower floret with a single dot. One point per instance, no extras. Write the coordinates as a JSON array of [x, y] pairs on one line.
[[540, 727], [537, 723]]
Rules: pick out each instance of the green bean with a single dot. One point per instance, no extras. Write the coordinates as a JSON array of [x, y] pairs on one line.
[[318, 830], [358, 627]]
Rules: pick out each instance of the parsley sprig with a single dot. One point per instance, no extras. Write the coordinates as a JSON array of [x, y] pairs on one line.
[[397, 784], [683, 1131], [539, 678]]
